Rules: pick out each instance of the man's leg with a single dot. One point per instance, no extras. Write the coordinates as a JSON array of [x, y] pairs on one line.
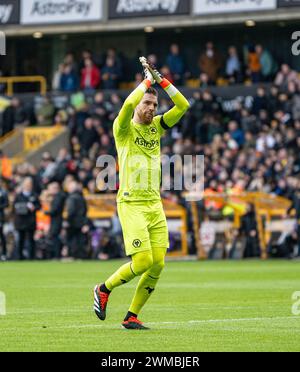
[[298, 238], [21, 243], [3, 241], [31, 244], [159, 240], [141, 262], [147, 283]]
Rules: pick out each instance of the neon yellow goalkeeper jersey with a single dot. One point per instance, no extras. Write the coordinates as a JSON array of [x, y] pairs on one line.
[[138, 147], [139, 160]]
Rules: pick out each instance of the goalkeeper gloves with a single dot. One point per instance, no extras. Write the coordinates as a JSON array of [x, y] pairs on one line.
[[164, 83], [156, 75], [147, 74]]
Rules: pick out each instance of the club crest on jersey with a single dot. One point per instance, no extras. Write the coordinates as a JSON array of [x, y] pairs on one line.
[[153, 130], [137, 243]]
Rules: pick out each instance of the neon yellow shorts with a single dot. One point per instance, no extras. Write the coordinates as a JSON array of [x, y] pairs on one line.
[[144, 226]]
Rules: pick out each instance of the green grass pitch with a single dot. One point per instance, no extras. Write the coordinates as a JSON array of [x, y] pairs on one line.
[[198, 306]]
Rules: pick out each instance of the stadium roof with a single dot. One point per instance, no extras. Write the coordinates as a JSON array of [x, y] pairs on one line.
[[284, 14]]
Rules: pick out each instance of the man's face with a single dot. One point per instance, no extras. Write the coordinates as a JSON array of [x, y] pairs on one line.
[[147, 108]]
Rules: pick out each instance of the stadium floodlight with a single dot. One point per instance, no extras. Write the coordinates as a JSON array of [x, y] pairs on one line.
[[149, 29], [250, 23], [38, 35]]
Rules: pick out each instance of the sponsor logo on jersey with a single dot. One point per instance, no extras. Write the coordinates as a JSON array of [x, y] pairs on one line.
[[147, 144]]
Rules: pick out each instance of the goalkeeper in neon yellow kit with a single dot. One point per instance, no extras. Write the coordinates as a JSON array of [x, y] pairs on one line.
[[137, 132]]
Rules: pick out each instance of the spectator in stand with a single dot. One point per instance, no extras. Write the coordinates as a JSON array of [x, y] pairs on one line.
[[204, 80], [26, 204], [138, 79], [69, 60], [3, 205], [273, 100], [47, 168], [210, 62], [86, 54], [99, 107], [87, 136], [61, 165], [166, 72], [56, 81], [254, 66], [110, 74], [56, 215], [249, 230], [260, 101], [233, 66], [176, 64], [152, 58], [77, 222], [236, 133], [14, 115], [268, 65], [45, 113], [68, 79], [296, 207], [2, 85], [285, 76], [61, 118], [90, 77], [112, 54]]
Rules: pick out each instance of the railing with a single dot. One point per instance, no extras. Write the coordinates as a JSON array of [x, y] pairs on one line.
[[11, 80], [266, 207]]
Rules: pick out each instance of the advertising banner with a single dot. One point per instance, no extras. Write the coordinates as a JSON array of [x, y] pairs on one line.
[[60, 11], [146, 8], [9, 12], [288, 3], [201, 7]]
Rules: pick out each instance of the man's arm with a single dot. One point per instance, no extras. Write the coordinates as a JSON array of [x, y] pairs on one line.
[[173, 116], [126, 113]]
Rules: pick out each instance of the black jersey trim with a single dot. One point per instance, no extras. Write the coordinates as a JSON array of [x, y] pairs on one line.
[[163, 124]]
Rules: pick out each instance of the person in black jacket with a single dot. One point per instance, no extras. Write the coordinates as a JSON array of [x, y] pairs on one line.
[[3, 204], [25, 206], [249, 230], [56, 214], [13, 115], [77, 221], [296, 206]]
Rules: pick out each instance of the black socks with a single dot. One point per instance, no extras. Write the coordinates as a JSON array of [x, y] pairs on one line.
[[104, 289], [129, 315]]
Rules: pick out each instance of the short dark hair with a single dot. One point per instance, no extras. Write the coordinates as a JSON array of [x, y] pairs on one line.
[[153, 91]]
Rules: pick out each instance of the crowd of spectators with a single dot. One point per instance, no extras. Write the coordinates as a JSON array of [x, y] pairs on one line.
[[249, 145], [254, 63]]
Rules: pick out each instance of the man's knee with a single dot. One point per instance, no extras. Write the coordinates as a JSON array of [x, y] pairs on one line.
[[157, 268]]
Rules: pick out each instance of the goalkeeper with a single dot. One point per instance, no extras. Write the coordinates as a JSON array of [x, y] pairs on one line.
[[137, 132]]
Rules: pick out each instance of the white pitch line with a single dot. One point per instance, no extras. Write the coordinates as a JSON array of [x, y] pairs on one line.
[[187, 323], [230, 320]]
